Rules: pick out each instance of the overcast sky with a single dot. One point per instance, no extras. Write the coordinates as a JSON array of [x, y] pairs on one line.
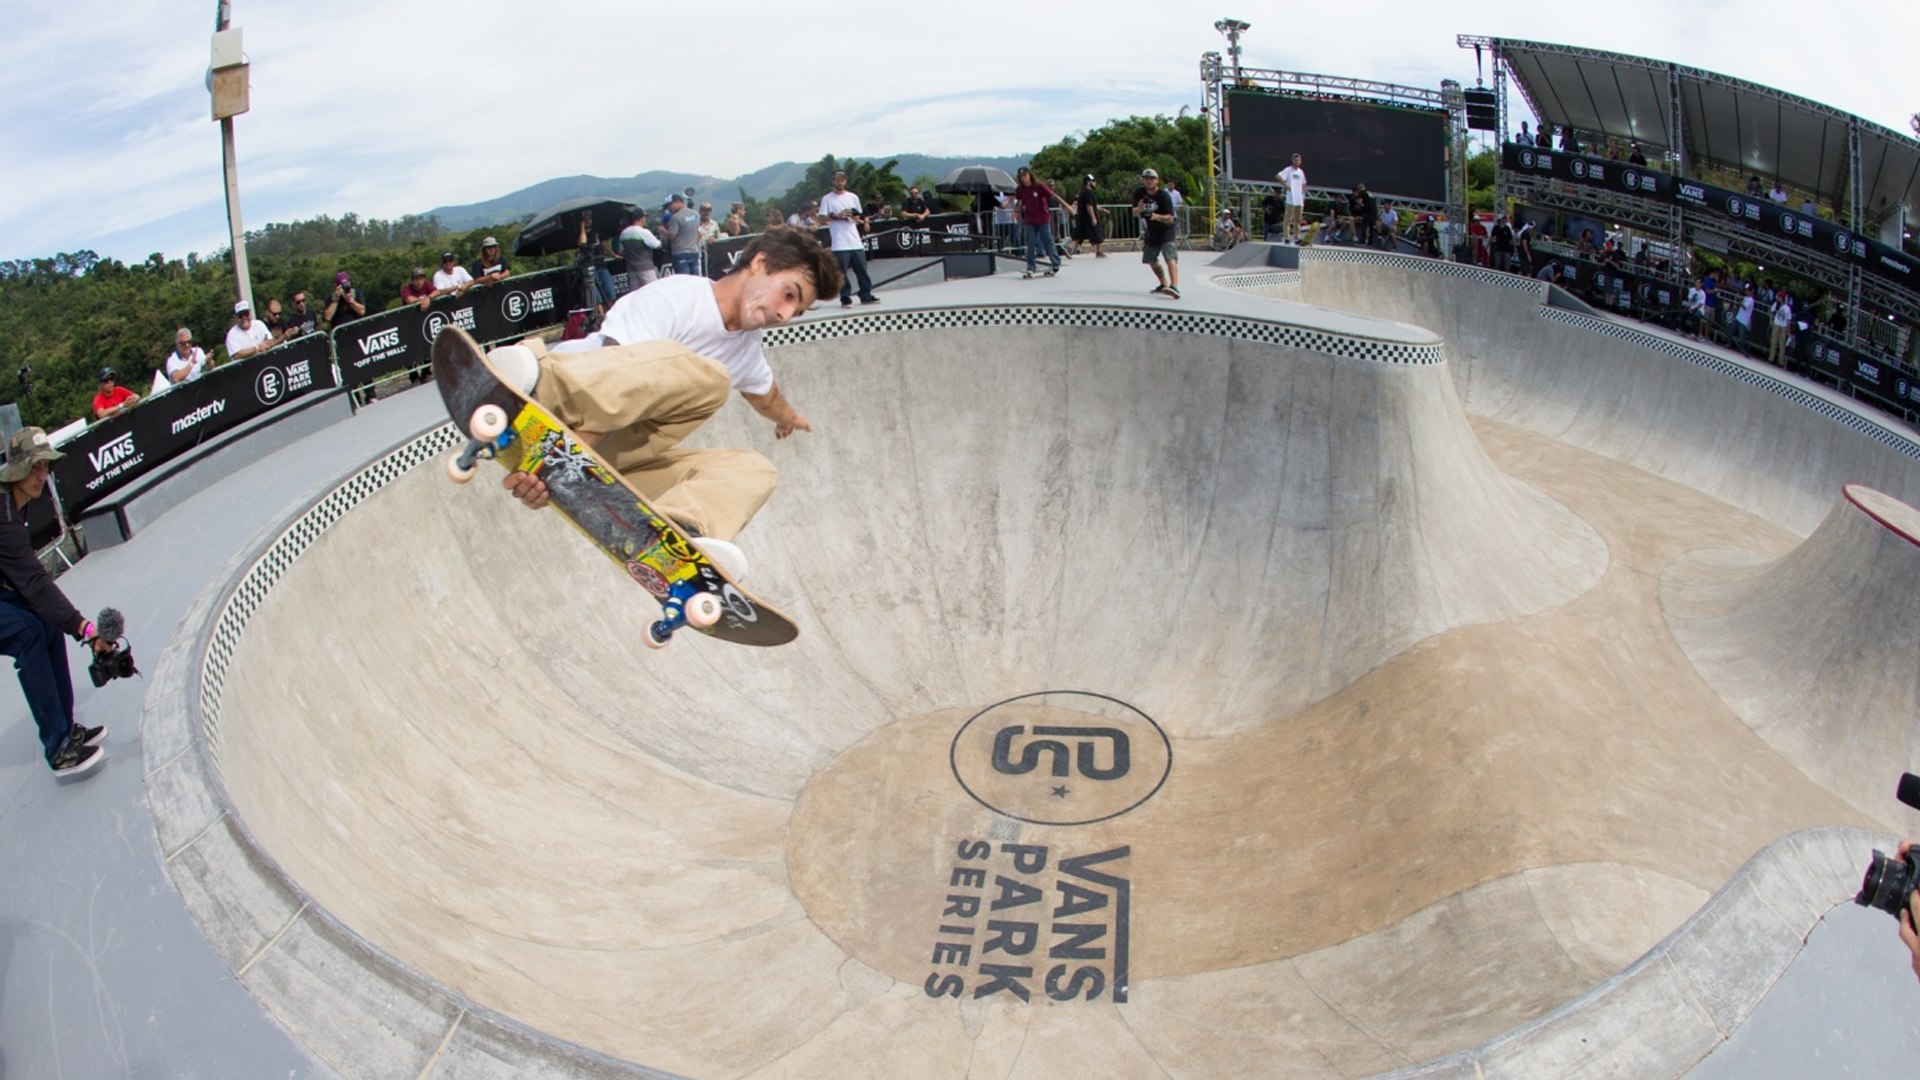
[[391, 108]]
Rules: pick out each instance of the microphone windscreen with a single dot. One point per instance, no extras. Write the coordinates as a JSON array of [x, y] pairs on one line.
[[111, 624], [1910, 790]]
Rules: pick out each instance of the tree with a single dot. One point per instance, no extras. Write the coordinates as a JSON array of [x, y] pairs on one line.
[[863, 178], [1175, 147]]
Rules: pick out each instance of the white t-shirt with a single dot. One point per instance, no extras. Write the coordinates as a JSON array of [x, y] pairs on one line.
[[843, 235], [443, 279], [238, 339], [1782, 312], [1745, 315], [681, 308], [1296, 180], [196, 360]]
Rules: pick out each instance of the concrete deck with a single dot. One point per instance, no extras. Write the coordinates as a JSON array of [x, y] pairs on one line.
[[1436, 626]]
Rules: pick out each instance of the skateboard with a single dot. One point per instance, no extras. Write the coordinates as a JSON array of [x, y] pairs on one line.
[[506, 425]]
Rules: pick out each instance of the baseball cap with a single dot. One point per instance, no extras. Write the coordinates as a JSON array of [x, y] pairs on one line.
[[419, 271], [1093, 178], [342, 278], [240, 307], [445, 255], [1144, 173], [26, 448], [489, 242], [105, 374]]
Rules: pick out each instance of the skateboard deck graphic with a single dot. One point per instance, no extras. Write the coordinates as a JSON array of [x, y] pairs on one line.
[[520, 434]]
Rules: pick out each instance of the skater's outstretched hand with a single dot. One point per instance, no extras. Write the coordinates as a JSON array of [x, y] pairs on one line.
[[790, 424], [528, 488]]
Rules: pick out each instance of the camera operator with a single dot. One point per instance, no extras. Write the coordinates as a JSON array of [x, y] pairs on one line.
[[345, 304], [34, 613], [1910, 918]]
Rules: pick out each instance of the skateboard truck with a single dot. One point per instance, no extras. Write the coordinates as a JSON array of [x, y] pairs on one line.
[[488, 436], [700, 610]]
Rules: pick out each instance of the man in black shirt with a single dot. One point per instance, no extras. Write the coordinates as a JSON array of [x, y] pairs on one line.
[[34, 613], [1086, 219], [1272, 208], [915, 209], [1154, 207], [489, 267], [1366, 215]]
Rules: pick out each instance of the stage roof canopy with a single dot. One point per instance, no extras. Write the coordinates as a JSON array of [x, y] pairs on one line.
[[1727, 122]]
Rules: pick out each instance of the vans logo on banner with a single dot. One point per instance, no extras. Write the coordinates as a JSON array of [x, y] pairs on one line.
[[542, 299], [112, 453], [205, 412], [1693, 192], [378, 346]]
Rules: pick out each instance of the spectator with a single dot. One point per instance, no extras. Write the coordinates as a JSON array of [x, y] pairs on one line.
[[451, 279], [808, 217], [1502, 242], [1338, 225], [1086, 218], [1778, 194], [596, 283], [774, 220], [1179, 211], [915, 210], [842, 208], [637, 245], [1743, 318], [1427, 236], [490, 267], [683, 235], [1636, 158], [1523, 247], [1585, 246], [736, 223], [301, 320], [1567, 142], [1154, 207], [1366, 213], [1753, 186], [709, 228], [417, 290], [1226, 231], [346, 303], [1525, 138], [187, 360], [1711, 306], [1272, 209], [34, 613], [1295, 178], [1550, 273], [247, 336], [1696, 309], [275, 322], [1389, 227], [1036, 201], [1006, 222], [1782, 321], [1807, 208], [113, 399]]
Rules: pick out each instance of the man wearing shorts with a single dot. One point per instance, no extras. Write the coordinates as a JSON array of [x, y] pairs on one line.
[[1154, 207], [1296, 180]]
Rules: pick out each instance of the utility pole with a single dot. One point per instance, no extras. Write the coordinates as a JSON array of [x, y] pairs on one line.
[[227, 82]]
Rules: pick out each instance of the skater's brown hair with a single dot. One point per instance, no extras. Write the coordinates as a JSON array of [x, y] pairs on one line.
[[788, 248]]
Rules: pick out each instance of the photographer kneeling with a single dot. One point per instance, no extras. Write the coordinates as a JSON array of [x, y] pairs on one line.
[[34, 613]]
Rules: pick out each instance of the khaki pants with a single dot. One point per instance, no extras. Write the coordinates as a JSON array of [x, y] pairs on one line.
[[1290, 223], [644, 399], [1777, 347]]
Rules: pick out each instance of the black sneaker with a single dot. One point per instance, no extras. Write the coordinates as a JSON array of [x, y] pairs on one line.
[[81, 735], [1173, 291], [1052, 272], [1156, 290], [846, 302], [870, 300], [71, 760]]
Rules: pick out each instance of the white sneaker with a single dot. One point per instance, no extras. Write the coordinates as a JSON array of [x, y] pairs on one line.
[[724, 554], [517, 365]]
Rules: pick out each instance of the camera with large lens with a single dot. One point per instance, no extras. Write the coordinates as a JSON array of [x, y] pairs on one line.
[[1890, 881], [115, 663]]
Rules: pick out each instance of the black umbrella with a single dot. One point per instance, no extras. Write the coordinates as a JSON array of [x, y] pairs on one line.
[[975, 180], [557, 228]]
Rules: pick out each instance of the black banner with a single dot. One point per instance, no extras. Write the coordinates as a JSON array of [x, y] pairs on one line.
[[1591, 171], [393, 341], [1861, 373], [43, 519], [888, 238], [115, 452], [1757, 213]]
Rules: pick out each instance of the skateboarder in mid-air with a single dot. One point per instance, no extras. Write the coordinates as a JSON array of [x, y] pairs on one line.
[[661, 364]]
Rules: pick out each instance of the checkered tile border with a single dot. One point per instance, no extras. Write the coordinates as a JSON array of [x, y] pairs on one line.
[[1267, 332], [272, 564], [1417, 264], [1680, 350], [1261, 280]]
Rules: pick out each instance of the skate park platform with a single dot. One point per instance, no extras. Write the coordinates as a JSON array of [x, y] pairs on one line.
[[1505, 691]]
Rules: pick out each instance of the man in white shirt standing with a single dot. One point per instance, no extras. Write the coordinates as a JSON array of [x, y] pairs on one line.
[[451, 279], [187, 360], [841, 208], [661, 364], [1296, 180], [248, 335]]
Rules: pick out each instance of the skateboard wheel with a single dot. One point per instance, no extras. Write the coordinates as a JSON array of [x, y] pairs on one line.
[[457, 471], [657, 636], [703, 610], [487, 423]]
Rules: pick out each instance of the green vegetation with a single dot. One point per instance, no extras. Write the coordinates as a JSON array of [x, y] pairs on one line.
[[1175, 147], [71, 315]]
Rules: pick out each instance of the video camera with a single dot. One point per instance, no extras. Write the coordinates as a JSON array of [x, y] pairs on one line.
[[1889, 882], [116, 662]]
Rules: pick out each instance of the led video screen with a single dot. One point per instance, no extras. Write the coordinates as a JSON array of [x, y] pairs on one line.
[[1396, 152]]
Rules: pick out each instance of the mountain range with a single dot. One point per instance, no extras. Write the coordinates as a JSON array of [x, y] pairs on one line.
[[651, 188]]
